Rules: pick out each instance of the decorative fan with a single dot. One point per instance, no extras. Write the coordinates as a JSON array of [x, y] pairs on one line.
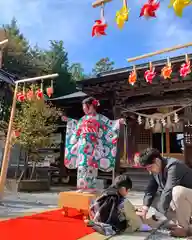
[[133, 76], [149, 9], [150, 74], [185, 68], [122, 15], [179, 5], [167, 70]]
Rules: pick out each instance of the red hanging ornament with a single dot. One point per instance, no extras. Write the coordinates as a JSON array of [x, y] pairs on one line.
[[185, 68], [100, 25], [30, 95], [49, 91], [16, 133], [148, 10], [99, 28], [150, 74], [21, 97], [39, 94]]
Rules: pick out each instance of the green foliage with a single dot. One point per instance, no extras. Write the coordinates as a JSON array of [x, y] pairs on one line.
[[77, 72], [103, 65], [36, 121], [24, 61]]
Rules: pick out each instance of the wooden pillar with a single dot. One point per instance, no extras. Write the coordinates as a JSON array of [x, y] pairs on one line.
[[167, 140], [117, 115]]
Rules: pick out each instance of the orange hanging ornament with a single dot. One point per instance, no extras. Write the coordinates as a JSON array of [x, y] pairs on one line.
[[167, 70], [132, 77]]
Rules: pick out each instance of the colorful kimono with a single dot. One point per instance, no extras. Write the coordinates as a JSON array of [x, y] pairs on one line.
[[91, 144]]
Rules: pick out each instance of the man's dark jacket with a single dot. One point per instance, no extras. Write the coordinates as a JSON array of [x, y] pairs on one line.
[[174, 173]]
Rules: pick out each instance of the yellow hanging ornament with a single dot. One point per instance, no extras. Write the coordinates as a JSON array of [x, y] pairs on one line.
[[122, 15], [179, 5]]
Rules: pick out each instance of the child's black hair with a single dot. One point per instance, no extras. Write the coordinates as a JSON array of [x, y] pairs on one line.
[[123, 181]]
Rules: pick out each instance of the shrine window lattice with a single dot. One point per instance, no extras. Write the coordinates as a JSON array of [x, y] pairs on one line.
[[143, 137], [188, 137]]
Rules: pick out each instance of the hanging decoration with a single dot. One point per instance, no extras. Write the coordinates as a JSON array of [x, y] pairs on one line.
[[179, 5], [149, 9], [122, 15], [30, 94], [39, 92], [167, 70], [152, 124], [133, 76], [49, 90], [163, 122], [150, 74], [176, 119], [139, 120], [20, 97], [100, 25], [185, 68]]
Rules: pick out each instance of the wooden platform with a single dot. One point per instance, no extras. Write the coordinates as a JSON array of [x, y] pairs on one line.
[[77, 200]]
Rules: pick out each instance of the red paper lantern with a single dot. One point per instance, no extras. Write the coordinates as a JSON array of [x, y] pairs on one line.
[[16, 133], [21, 97], [30, 95], [49, 91], [39, 94]]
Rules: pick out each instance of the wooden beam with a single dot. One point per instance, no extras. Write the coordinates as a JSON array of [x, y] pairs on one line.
[[99, 3], [160, 52]]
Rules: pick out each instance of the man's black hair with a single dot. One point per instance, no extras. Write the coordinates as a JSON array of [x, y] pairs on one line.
[[123, 181], [148, 156]]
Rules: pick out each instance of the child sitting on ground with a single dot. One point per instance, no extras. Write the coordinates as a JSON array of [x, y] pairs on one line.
[[112, 212]]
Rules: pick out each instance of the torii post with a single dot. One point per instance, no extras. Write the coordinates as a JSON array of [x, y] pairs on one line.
[[5, 161]]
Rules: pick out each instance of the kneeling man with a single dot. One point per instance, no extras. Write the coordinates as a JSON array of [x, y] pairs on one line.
[[174, 180]]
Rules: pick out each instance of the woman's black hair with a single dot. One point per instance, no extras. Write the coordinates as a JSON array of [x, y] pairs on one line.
[[91, 101], [148, 156]]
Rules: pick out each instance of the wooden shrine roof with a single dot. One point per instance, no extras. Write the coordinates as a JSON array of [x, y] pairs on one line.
[[114, 84]]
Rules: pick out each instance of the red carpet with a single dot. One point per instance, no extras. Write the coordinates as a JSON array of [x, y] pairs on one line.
[[45, 226]]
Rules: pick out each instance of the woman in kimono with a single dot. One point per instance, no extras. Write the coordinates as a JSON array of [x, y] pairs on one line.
[[91, 144]]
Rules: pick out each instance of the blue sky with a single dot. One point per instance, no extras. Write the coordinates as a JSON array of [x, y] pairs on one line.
[[72, 20]]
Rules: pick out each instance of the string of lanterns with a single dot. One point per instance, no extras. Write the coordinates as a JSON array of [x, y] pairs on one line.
[[166, 72], [148, 10], [32, 93]]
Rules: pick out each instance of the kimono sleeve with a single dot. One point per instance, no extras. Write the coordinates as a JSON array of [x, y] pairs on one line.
[[71, 143], [108, 138]]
